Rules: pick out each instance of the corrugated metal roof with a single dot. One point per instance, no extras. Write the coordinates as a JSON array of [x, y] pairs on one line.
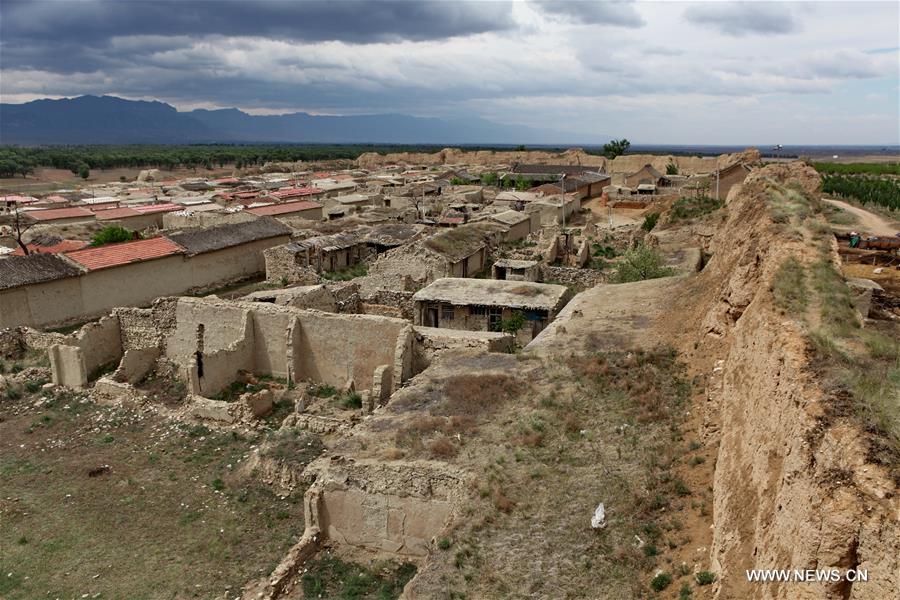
[[115, 255], [54, 214], [281, 209]]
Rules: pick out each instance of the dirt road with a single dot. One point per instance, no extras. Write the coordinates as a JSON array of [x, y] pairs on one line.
[[868, 222]]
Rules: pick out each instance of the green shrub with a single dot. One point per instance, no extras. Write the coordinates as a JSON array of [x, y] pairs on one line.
[[351, 400], [661, 582], [685, 592], [705, 578], [322, 391], [671, 169], [511, 325], [113, 235], [650, 221], [639, 264], [685, 209]]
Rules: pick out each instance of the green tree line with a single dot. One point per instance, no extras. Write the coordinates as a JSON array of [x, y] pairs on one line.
[[857, 168], [866, 189]]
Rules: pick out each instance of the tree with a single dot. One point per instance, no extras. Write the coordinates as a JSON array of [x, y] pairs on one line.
[[84, 171], [112, 235], [21, 224], [616, 148], [671, 169]]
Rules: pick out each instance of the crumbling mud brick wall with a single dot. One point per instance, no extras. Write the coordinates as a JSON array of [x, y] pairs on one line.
[[211, 342], [431, 342], [146, 327], [81, 354], [335, 349], [394, 508]]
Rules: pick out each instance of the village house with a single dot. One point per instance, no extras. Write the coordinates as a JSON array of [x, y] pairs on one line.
[[646, 179], [355, 202], [87, 283], [10, 203], [50, 245], [292, 193], [516, 270], [489, 305], [722, 180], [324, 253], [585, 185], [303, 209], [129, 218], [519, 224], [61, 216]]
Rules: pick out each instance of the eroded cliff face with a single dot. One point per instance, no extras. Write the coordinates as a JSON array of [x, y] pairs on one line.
[[792, 488], [626, 164]]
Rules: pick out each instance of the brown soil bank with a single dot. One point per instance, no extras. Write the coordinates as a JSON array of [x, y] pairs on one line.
[[797, 485]]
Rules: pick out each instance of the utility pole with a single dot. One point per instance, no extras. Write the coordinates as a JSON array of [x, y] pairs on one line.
[[562, 188]]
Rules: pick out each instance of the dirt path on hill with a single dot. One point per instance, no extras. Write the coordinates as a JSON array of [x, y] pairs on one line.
[[868, 222]]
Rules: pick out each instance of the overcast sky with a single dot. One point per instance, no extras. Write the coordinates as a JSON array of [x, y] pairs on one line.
[[655, 72]]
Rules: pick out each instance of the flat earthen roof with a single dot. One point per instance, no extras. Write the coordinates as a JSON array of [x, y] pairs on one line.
[[494, 292], [282, 209]]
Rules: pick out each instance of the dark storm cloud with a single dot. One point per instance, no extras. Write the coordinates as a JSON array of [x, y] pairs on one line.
[[588, 12], [71, 35], [744, 18]]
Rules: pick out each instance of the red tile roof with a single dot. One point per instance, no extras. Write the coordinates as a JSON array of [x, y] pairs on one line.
[[291, 192], [18, 199], [53, 214], [61, 246], [155, 208], [225, 180], [115, 255], [116, 213], [55, 198], [285, 208]]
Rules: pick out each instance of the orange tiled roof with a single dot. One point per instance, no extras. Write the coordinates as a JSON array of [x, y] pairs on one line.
[[53, 214], [115, 255]]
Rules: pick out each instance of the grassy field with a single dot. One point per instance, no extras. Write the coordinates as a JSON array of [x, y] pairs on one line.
[[115, 503]]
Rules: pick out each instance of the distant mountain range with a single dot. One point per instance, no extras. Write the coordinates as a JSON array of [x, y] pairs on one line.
[[111, 120]]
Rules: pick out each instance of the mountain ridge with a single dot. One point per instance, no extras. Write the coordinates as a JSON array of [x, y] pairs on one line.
[[112, 120]]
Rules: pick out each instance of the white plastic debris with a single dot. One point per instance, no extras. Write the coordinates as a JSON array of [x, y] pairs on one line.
[[598, 521]]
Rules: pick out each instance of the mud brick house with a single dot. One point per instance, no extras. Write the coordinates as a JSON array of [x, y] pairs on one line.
[[486, 304]]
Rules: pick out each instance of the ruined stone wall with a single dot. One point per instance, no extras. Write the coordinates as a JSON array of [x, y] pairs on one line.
[[399, 301], [12, 342], [431, 342], [335, 349], [147, 327], [394, 508], [572, 276], [222, 332], [95, 345]]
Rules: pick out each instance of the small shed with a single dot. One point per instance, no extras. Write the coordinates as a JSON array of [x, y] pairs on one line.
[[489, 305], [516, 270]]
